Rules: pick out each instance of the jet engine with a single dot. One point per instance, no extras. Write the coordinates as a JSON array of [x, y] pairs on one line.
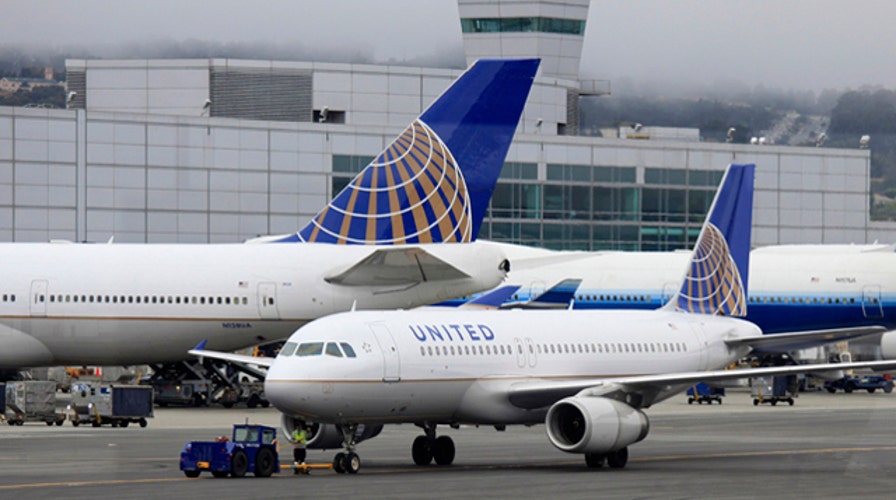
[[327, 436], [594, 425], [888, 345]]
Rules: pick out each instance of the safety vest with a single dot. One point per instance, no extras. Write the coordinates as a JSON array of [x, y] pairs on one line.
[[298, 436]]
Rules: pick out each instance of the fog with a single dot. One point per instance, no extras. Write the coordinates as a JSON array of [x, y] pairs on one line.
[[655, 44]]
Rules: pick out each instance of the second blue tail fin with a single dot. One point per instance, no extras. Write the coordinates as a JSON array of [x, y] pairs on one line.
[[433, 183], [717, 274]]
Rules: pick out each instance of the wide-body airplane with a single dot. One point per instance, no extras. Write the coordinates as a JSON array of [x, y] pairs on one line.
[[588, 375], [792, 287], [383, 242]]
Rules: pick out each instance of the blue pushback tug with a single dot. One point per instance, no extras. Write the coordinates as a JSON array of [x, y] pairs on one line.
[[253, 448]]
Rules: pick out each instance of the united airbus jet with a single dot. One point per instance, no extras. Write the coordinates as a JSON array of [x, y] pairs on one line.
[[588, 375]]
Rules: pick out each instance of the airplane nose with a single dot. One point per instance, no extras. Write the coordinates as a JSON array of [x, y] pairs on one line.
[[277, 393]]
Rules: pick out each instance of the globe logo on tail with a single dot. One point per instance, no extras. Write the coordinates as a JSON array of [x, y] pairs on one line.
[[713, 284], [413, 192]]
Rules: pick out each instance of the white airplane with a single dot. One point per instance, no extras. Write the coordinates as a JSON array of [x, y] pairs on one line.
[[792, 287], [373, 247], [588, 375]]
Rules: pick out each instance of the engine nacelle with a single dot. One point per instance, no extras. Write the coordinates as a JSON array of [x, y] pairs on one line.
[[888, 345], [326, 436], [594, 425]]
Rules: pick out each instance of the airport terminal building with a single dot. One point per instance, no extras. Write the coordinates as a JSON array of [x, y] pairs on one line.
[[221, 150]]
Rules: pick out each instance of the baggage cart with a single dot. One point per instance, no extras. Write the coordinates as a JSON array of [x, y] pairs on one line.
[[32, 401], [702, 393], [773, 389], [116, 405]]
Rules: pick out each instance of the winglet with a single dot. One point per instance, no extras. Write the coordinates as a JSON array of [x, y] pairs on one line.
[[201, 345], [717, 274], [433, 183]]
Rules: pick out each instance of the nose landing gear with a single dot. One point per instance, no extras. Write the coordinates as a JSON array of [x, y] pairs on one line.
[[347, 461]]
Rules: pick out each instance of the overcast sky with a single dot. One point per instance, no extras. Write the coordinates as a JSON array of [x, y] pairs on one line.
[[786, 44]]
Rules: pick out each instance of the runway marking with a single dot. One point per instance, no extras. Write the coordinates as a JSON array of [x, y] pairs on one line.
[[416, 469]]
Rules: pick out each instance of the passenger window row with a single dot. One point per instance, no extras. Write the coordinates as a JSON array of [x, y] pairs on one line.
[[807, 300], [587, 348], [9, 297], [142, 299]]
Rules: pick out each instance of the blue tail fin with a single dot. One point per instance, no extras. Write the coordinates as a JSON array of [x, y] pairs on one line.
[[433, 183], [716, 279]]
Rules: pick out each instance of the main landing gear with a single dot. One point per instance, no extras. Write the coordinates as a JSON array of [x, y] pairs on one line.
[[347, 461], [428, 447], [614, 459]]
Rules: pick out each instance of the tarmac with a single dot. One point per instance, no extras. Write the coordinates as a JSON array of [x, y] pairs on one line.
[[824, 446]]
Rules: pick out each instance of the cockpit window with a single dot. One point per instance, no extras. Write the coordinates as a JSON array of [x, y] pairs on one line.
[[310, 349], [287, 349], [349, 352], [333, 350]]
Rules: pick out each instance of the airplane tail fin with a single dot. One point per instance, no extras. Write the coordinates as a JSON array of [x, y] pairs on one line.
[[433, 183], [717, 274]]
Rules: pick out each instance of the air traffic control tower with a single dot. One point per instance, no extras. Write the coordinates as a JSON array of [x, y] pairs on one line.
[[221, 150], [552, 30]]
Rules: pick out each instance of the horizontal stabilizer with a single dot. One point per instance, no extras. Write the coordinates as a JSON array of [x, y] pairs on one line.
[[391, 266]]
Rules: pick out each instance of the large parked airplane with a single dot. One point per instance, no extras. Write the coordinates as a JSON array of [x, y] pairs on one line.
[[792, 287], [374, 246], [588, 375]]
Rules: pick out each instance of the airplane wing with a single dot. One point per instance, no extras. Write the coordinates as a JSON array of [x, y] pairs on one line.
[[199, 351], [644, 390], [396, 266], [782, 342], [556, 297], [491, 300]]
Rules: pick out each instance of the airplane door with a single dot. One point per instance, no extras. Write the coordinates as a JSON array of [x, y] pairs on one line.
[[536, 288], [530, 347], [391, 362], [267, 301], [871, 305], [520, 353], [669, 290], [39, 298]]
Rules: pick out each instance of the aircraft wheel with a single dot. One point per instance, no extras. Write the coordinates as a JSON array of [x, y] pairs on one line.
[[595, 460], [443, 450], [617, 459], [339, 463], [352, 463], [421, 451]]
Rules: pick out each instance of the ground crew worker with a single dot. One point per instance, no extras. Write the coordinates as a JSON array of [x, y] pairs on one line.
[[299, 437]]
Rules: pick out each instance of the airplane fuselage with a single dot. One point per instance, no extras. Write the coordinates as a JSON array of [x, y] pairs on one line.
[[791, 288], [413, 366], [126, 304]]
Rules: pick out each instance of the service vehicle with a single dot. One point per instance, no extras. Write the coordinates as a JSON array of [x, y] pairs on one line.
[[113, 404], [252, 448], [870, 383]]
